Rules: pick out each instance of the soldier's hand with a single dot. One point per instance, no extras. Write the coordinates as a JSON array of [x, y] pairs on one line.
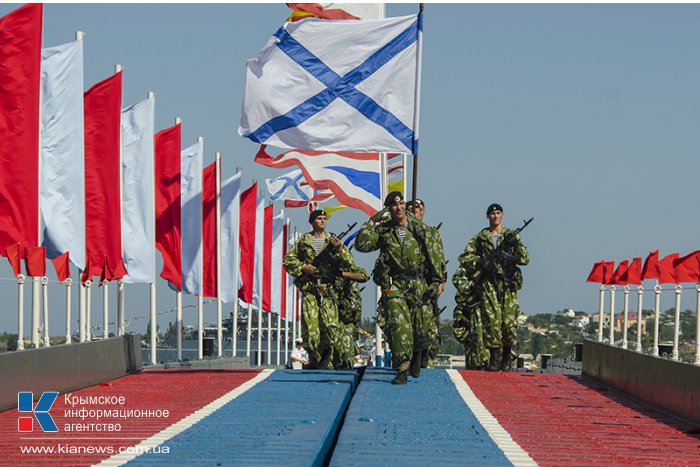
[[378, 215], [337, 244], [510, 240], [309, 269], [440, 289]]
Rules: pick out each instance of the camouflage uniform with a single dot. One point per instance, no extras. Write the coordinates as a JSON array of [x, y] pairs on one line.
[[349, 315], [435, 239], [321, 328], [491, 325], [406, 271]]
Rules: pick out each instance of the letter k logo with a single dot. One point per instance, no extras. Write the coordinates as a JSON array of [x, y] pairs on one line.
[[25, 403]]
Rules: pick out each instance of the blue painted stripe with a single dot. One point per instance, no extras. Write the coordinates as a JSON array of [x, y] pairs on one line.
[[341, 87], [424, 422]]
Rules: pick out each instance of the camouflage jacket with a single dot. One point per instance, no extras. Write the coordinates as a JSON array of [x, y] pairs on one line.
[[417, 257], [481, 246], [329, 269]]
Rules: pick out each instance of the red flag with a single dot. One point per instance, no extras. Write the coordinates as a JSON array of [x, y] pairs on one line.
[[110, 273], [633, 275], [315, 10], [651, 266], [62, 266], [285, 241], [267, 260], [666, 271], [103, 232], [247, 241], [687, 268], [168, 216], [35, 261], [209, 230], [20, 68], [618, 276], [597, 273], [609, 271], [14, 254]]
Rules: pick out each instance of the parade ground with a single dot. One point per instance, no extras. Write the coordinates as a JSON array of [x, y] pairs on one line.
[[339, 418]]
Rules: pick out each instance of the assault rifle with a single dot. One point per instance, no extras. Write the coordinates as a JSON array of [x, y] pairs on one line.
[[320, 258]]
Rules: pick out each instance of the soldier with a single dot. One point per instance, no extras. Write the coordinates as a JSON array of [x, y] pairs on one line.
[[487, 282], [418, 208], [315, 261], [408, 277], [349, 297]]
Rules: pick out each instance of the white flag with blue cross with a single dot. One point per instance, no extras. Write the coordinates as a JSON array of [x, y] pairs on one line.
[[336, 86]]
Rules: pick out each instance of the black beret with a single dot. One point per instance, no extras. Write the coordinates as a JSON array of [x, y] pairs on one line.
[[418, 202], [314, 214], [393, 198], [493, 207]]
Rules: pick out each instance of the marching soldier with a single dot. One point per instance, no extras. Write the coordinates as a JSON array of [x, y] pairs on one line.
[[349, 297], [417, 207], [315, 261], [408, 277], [487, 282]]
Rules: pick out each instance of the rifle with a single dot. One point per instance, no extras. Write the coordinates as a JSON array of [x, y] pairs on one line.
[[320, 258], [493, 256]]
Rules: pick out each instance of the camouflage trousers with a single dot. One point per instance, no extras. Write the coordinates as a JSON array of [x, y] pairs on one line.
[[433, 334], [468, 329], [499, 314], [320, 330], [407, 322], [344, 357]]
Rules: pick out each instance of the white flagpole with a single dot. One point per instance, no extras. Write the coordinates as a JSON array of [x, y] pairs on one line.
[[45, 295], [120, 286], [81, 306], [416, 113], [36, 311], [219, 330], [269, 337], [286, 299], [377, 290], [20, 312], [68, 283], [105, 308], [178, 319], [200, 298], [236, 269], [200, 326], [88, 302], [294, 301], [247, 329], [259, 357], [121, 329], [152, 285], [640, 294]]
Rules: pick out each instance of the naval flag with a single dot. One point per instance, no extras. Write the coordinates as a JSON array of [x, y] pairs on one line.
[[353, 178], [342, 85]]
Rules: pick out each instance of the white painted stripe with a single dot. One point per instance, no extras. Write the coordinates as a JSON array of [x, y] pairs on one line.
[[516, 454], [185, 423]]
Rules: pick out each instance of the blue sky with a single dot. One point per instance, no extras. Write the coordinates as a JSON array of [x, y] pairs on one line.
[[583, 116]]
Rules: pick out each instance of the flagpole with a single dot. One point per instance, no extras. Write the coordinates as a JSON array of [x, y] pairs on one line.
[[36, 312], [286, 298], [81, 307], [45, 296], [416, 116], [378, 290], [200, 297], [294, 301], [20, 312], [68, 283], [88, 303], [247, 330], [178, 304], [236, 262], [120, 282], [219, 330], [105, 309]]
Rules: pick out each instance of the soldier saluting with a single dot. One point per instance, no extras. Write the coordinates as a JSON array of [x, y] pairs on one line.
[[408, 278], [487, 281], [315, 261]]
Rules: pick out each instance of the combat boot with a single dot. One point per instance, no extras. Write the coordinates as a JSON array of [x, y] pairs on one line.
[[494, 360], [401, 378], [507, 358], [415, 364]]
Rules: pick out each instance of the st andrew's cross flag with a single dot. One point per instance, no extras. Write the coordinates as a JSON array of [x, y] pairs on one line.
[[336, 86]]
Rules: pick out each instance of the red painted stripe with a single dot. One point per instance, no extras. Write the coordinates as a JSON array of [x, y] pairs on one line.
[[572, 420], [181, 392]]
